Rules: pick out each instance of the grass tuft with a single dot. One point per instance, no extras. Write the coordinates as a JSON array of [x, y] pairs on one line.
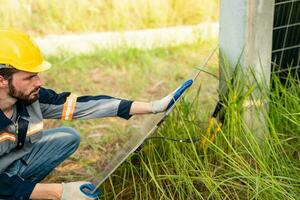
[[237, 165]]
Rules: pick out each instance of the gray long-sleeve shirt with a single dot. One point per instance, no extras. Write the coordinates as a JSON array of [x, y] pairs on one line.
[[64, 106]]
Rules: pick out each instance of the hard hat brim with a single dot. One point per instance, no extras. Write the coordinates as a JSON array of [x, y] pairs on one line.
[[45, 65]]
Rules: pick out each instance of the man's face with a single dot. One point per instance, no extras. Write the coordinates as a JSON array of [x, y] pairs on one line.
[[24, 86]]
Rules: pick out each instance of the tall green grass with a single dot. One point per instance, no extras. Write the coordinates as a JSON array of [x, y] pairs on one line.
[[237, 165], [56, 16]]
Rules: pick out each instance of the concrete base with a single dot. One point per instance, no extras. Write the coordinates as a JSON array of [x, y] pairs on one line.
[[246, 38]]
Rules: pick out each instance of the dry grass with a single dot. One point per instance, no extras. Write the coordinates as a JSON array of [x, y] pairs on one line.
[[57, 16]]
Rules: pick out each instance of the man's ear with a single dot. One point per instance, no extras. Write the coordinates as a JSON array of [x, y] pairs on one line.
[[3, 82]]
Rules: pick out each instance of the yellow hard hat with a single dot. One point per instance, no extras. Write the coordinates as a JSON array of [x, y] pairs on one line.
[[19, 51]]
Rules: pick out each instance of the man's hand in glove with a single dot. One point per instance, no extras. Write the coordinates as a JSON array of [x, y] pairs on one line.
[[161, 105], [72, 191]]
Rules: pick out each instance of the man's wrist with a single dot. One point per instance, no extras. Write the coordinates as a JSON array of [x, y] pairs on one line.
[[47, 191], [59, 191]]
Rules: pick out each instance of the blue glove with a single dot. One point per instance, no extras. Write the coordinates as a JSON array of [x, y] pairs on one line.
[[167, 102], [79, 191]]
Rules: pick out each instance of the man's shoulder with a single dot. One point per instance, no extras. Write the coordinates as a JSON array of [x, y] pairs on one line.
[[49, 96]]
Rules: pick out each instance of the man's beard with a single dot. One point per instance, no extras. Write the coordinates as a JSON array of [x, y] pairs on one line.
[[20, 95]]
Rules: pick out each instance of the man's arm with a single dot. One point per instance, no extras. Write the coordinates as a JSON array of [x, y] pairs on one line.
[[64, 191], [67, 106]]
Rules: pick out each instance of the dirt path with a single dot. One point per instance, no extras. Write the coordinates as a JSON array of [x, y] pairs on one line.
[[142, 39]]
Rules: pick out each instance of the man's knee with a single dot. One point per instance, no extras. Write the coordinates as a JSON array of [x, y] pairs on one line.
[[71, 136], [56, 145], [64, 138]]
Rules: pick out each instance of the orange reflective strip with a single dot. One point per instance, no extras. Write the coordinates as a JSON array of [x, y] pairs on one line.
[[35, 129], [72, 109], [7, 136], [69, 107]]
